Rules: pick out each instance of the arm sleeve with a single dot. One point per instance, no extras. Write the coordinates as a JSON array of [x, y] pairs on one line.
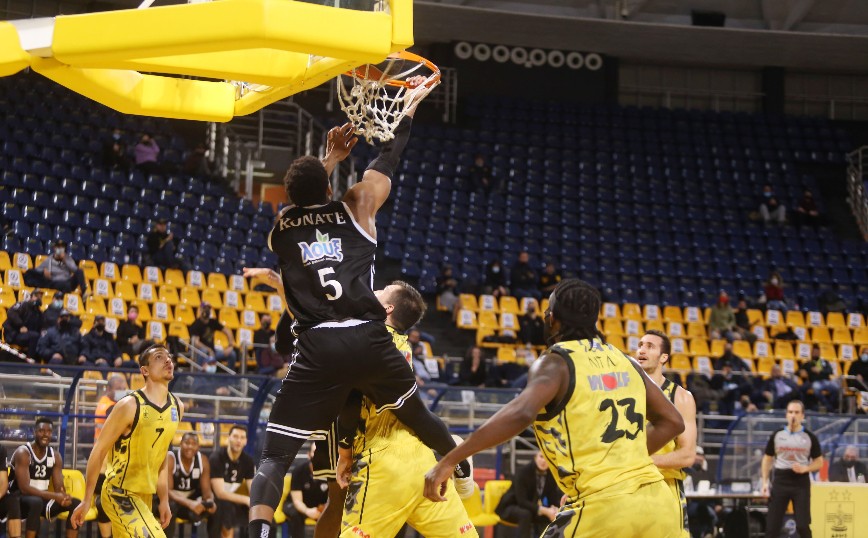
[[297, 479], [816, 451], [348, 421], [390, 153], [770, 446]]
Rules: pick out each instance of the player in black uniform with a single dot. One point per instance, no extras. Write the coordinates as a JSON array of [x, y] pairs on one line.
[[189, 483], [231, 468], [10, 508], [35, 467], [326, 252]]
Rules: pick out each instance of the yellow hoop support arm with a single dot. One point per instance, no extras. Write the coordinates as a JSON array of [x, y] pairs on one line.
[[13, 58], [131, 92]]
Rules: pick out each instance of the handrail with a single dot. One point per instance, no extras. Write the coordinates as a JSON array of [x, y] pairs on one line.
[[857, 175]]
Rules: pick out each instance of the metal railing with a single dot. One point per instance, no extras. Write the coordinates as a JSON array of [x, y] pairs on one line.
[[857, 175], [716, 100]]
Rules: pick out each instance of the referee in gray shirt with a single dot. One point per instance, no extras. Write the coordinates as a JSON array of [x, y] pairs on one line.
[[793, 452]]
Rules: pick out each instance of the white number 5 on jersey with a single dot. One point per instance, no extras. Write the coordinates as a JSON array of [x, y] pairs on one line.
[[339, 290]]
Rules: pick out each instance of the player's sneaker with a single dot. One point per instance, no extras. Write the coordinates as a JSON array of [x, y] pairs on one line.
[[464, 484]]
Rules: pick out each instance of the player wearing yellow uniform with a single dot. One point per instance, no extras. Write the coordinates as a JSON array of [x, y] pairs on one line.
[[588, 404], [136, 438], [389, 461], [679, 453]]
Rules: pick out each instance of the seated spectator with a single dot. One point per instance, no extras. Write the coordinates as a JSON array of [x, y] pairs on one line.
[[230, 468], [36, 477], [523, 278], [702, 514], [131, 334], [161, 247], [770, 207], [531, 328], [262, 335], [473, 371], [742, 322], [699, 385], [99, 347], [61, 344], [773, 293], [858, 370], [147, 152], [848, 468], [480, 175], [116, 388], [816, 375], [190, 495], [57, 272], [495, 280], [114, 154], [721, 321], [532, 500], [447, 288], [197, 163], [270, 361], [732, 387], [525, 356], [52, 311], [307, 496], [807, 213], [24, 323], [202, 337], [778, 390], [549, 279], [729, 358]]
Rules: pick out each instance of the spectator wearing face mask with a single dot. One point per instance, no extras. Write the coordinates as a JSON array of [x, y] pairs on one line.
[[848, 468], [61, 344], [52, 311], [773, 293], [270, 361], [262, 336], [131, 334], [202, 337], [858, 372], [57, 272], [770, 208], [807, 213], [23, 323], [99, 347], [147, 152], [721, 321], [495, 280], [116, 388]]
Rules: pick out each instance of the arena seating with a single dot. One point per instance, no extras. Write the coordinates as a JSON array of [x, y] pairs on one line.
[[650, 205]]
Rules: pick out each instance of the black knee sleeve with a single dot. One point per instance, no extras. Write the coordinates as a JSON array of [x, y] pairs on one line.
[[31, 509], [277, 455]]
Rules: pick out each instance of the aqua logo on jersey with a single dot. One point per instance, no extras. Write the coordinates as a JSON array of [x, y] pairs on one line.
[[322, 249], [174, 414]]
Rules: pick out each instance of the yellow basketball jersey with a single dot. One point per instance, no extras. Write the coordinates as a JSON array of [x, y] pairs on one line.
[[134, 461], [669, 388], [379, 430], [594, 439]]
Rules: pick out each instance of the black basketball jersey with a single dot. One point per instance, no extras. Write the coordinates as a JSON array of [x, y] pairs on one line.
[[187, 481], [327, 265], [40, 470]]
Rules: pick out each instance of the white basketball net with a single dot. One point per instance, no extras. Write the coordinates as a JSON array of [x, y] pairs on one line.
[[374, 107]]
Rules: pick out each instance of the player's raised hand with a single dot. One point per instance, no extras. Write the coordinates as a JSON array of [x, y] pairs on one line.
[[436, 481], [415, 97], [341, 141], [269, 276]]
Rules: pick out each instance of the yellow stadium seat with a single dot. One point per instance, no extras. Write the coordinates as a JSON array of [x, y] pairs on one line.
[[249, 319], [89, 268], [13, 278], [238, 283], [718, 347], [774, 318], [855, 320], [144, 310], [531, 302], [7, 297], [509, 305], [221, 340], [815, 319], [22, 261], [75, 484], [613, 327], [651, 312], [86, 323], [828, 351], [229, 318], [631, 311], [610, 311], [217, 281], [675, 328], [174, 277], [2, 315], [179, 329], [488, 303], [131, 273], [784, 350], [762, 349], [468, 301], [494, 491], [803, 351], [169, 295], [96, 306], [795, 318], [102, 288], [5, 262], [146, 292], [679, 345], [196, 279], [152, 275], [125, 290], [509, 321], [760, 332], [190, 296], [275, 304], [109, 271], [183, 427], [544, 305], [212, 297], [232, 299], [117, 307], [673, 313], [703, 365], [163, 312], [835, 320], [699, 346], [488, 319], [156, 331], [617, 341], [692, 314], [73, 303], [655, 325], [466, 319], [820, 335], [836, 366], [802, 333], [137, 381], [764, 366], [846, 352], [255, 301], [755, 316], [482, 333], [680, 361], [185, 314], [473, 506], [860, 336], [841, 335], [789, 366], [506, 354], [696, 330], [742, 349], [632, 344]]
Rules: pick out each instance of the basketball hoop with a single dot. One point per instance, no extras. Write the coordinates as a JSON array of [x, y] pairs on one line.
[[376, 97]]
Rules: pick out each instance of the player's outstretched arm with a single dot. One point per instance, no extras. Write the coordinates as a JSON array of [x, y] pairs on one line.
[[665, 421], [547, 382], [367, 196], [340, 141], [116, 424]]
